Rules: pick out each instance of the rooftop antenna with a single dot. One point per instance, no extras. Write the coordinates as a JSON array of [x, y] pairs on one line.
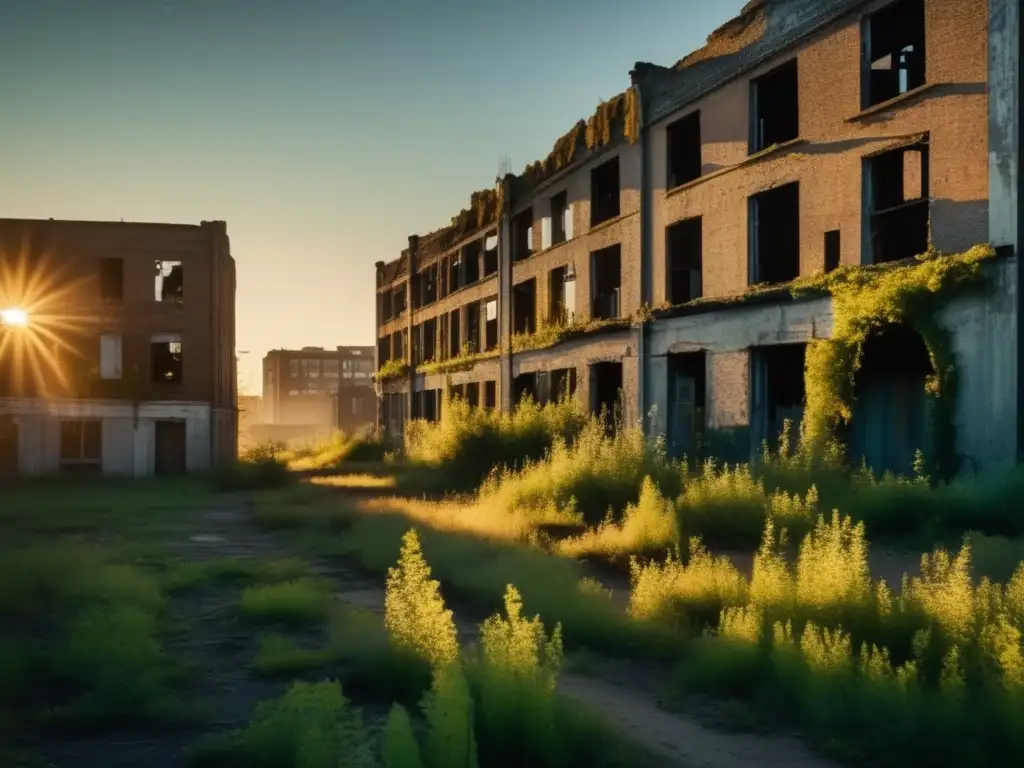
[[504, 166]]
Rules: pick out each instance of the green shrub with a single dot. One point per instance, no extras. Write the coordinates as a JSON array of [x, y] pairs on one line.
[[311, 726], [448, 710], [400, 748], [298, 601], [259, 468], [279, 656]]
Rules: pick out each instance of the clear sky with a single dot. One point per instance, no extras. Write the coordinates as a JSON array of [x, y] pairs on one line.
[[323, 131]]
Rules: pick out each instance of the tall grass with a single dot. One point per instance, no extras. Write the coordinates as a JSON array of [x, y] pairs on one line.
[[934, 676], [467, 444]]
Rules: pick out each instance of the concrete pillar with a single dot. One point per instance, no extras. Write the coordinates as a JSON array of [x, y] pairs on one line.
[[505, 296], [377, 387]]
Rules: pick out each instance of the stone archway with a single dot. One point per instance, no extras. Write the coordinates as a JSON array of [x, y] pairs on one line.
[[891, 408]]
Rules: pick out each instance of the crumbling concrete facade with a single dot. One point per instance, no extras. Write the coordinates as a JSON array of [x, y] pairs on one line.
[[124, 361], [804, 137]]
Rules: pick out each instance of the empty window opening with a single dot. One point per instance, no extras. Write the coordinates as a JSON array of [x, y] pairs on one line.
[[775, 112], [559, 215], [684, 249], [473, 394], [426, 282], [898, 203], [383, 350], [491, 325], [454, 335], [779, 390], [473, 327], [606, 392], [490, 254], [457, 392], [428, 404], [428, 340], [775, 235], [832, 251], [331, 369], [605, 282], [386, 303], [471, 254], [110, 356], [398, 300], [894, 51], [890, 412], [604, 192], [165, 353], [561, 296], [524, 307], [687, 407], [112, 280], [170, 281], [562, 384], [455, 272], [397, 346], [169, 438], [524, 386], [81, 445], [490, 394], [522, 235], [683, 145]]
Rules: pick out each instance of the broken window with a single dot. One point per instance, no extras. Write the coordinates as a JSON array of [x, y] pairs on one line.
[[522, 235], [311, 368], [111, 279], [775, 235], [831, 250], [471, 261], [898, 202], [491, 329], [473, 327], [383, 350], [385, 301], [524, 385], [81, 443], [687, 388], [427, 284], [893, 51], [524, 306], [454, 336], [605, 282], [428, 330], [683, 145], [165, 354], [490, 254], [331, 368], [604, 192], [606, 392], [490, 394], [170, 281], [455, 272], [293, 368], [562, 384], [398, 300], [473, 394], [684, 247], [779, 389], [556, 296], [110, 356], [560, 218], [774, 107]]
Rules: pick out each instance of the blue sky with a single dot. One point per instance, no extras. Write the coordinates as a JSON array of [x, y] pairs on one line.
[[324, 133]]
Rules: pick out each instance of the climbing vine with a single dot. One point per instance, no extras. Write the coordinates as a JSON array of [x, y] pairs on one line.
[[865, 299]]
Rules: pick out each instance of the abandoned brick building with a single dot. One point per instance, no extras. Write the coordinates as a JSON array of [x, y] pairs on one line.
[[311, 389], [803, 137], [117, 347]]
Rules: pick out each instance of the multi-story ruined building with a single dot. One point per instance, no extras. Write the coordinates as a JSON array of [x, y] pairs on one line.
[[317, 388], [673, 241], [117, 350]]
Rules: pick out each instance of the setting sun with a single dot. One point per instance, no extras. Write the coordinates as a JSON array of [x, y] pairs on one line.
[[14, 317]]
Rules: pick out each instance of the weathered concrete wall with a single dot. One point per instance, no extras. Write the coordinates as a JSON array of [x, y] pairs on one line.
[[984, 340], [983, 331], [1004, 116], [835, 138], [128, 441]]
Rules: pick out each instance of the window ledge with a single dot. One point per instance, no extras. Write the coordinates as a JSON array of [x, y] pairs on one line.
[[749, 160], [608, 222], [895, 101]]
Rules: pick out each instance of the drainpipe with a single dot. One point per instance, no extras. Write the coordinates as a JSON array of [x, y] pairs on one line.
[[414, 244], [505, 296]]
